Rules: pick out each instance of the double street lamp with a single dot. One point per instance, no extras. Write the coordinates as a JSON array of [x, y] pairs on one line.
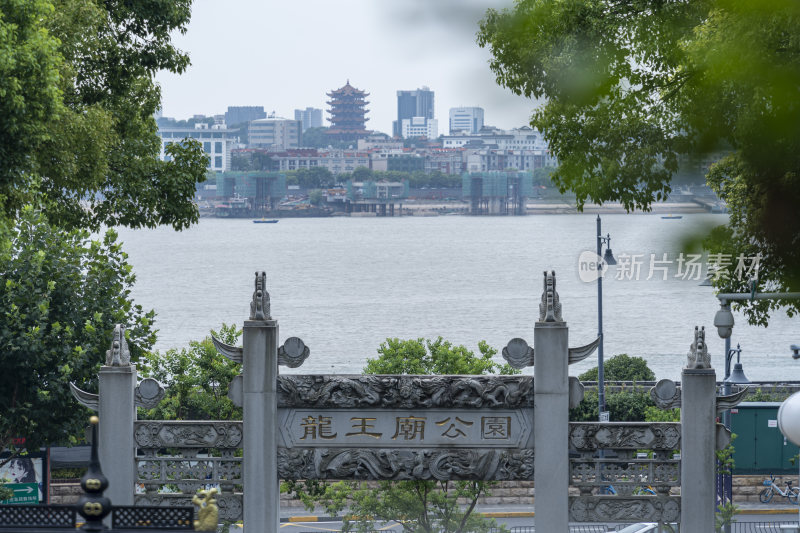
[[723, 321], [607, 259]]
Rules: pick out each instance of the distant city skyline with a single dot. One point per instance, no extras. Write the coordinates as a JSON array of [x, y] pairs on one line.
[[286, 56]]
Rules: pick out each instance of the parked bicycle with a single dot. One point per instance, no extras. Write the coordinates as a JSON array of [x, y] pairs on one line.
[[791, 493]]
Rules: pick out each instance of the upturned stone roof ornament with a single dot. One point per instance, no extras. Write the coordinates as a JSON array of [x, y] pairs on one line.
[[259, 307], [550, 307], [118, 354], [698, 356]]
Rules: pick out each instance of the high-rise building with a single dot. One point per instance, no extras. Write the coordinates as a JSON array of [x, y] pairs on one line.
[[466, 119], [240, 114], [412, 104], [348, 113], [311, 117]]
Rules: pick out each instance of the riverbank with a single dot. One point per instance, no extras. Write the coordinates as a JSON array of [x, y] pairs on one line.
[[432, 208]]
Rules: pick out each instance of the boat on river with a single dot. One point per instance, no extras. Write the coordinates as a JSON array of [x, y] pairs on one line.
[[265, 221]]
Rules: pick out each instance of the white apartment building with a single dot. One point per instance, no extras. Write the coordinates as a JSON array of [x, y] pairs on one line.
[[217, 142], [420, 127], [466, 120], [491, 159], [275, 133], [524, 138], [337, 161]]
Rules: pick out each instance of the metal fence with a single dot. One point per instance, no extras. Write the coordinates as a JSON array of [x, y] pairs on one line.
[[760, 527]]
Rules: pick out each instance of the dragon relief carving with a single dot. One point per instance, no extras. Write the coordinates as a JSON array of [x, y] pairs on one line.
[[550, 307], [188, 434], [630, 435], [118, 354], [259, 307], [698, 356], [405, 391], [393, 464], [628, 509]]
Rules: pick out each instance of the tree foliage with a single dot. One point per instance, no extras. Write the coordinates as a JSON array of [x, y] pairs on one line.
[[197, 378], [632, 88], [431, 357], [621, 367], [78, 133], [61, 295], [420, 506], [625, 405]]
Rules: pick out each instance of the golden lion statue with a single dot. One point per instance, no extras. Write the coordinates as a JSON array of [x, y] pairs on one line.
[[208, 512]]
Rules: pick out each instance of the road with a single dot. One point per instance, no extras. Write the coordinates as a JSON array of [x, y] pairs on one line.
[[509, 522]]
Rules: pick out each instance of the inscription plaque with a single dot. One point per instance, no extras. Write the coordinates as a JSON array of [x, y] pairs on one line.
[[388, 428]]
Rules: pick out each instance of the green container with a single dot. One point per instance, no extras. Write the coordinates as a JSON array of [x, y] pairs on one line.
[[760, 447]]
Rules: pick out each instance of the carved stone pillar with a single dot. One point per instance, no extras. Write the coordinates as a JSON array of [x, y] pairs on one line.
[[698, 439], [551, 413], [117, 412], [260, 415]]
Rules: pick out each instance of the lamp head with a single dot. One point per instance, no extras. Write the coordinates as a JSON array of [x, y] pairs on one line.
[[723, 321], [737, 376], [608, 257], [795, 351]]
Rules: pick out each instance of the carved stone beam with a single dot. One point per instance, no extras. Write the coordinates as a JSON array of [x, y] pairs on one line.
[[518, 353], [579, 354], [148, 393], [86, 399], [293, 352], [723, 436], [731, 400], [235, 391], [575, 392], [233, 353], [666, 394]]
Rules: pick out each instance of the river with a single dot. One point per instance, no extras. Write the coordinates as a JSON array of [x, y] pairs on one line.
[[344, 285]]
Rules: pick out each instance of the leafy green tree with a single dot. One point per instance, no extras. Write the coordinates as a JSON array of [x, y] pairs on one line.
[[316, 138], [78, 142], [61, 295], [315, 197], [241, 162], [362, 174], [622, 367], [420, 506], [631, 88], [197, 378], [78, 133], [623, 406], [432, 357], [655, 414], [314, 178]]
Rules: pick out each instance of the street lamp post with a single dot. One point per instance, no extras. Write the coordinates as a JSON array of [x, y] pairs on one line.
[[735, 377], [608, 259]]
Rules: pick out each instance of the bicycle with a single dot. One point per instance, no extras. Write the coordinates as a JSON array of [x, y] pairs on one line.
[[791, 493]]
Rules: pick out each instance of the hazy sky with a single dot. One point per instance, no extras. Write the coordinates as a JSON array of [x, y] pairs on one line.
[[287, 54]]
